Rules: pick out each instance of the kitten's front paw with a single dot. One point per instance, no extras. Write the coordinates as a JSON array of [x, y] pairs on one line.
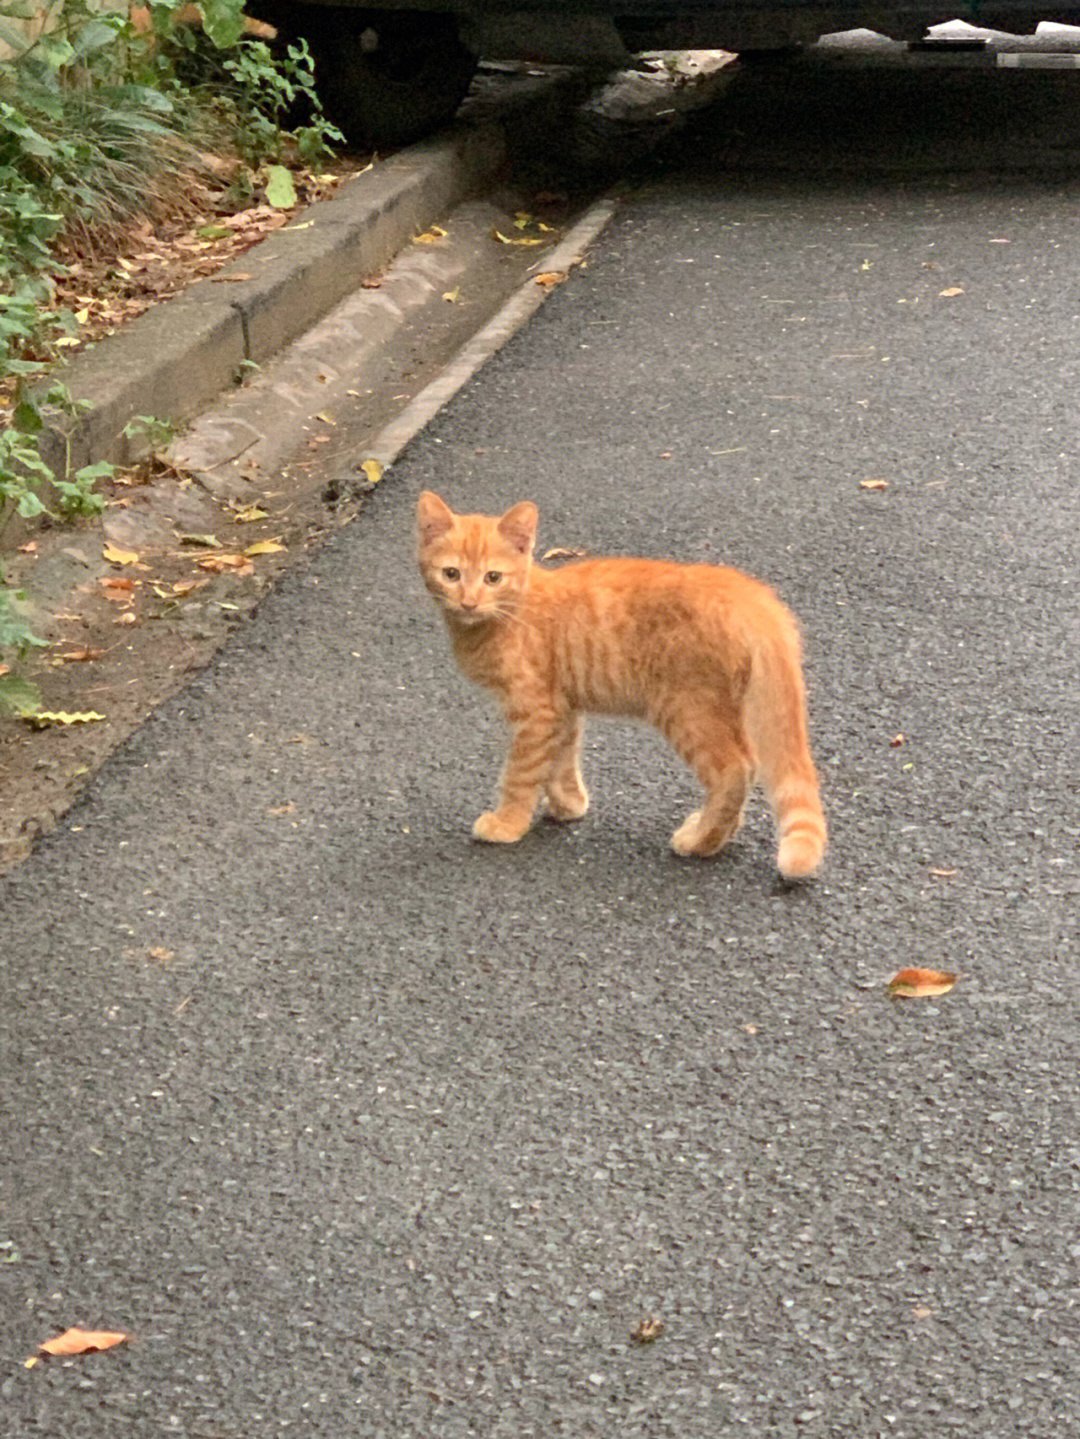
[[495, 828]]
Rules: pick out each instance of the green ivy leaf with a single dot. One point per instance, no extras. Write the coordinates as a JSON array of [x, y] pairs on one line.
[[280, 190], [19, 697]]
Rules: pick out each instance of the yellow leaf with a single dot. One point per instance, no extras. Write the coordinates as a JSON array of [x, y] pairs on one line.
[[430, 237], [452, 295], [45, 718], [518, 240], [373, 470], [921, 983], [248, 514], [117, 556], [265, 547]]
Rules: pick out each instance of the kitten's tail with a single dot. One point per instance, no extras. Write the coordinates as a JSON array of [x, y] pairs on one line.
[[776, 723]]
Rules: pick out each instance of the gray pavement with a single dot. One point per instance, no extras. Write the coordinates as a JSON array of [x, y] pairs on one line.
[[363, 1130]]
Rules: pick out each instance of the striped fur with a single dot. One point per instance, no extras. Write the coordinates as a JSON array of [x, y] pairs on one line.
[[708, 655]]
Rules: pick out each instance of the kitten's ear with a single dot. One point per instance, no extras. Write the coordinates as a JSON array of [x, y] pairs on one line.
[[434, 517], [519, 526]]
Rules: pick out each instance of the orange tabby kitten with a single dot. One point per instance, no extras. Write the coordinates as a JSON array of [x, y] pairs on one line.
[[708, 655]]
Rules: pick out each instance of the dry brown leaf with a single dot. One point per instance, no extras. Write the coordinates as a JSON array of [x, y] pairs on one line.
[[649, 1330], [550, 278], [79, 1341], [873, 484], [564, 554], [217, 564], [73, 656], [120, 591], [921, 983], [896, 741]]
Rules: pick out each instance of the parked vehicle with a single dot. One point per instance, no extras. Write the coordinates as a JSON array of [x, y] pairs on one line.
[[388, 75]]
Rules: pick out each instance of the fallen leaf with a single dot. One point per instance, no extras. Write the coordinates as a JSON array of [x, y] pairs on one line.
[[185, 587], [210, 542], [248, 514], [873, 484], [649, 1330], [78, 1341], [116, 556], [518, 239], [951, 291], [265, 547], [45, 719], [326, 419], [550, 278], [896, 741], [127, 618], [121, 591], [451, 296], [217, 564], [29, 548], [373, 470], [73, 656], [943, 873], [280, 189], [160, 954], [921, 983], [373, 282], [563, 554], [430, 237]]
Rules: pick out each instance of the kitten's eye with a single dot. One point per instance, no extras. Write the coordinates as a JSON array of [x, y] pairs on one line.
[[451, 574], [492, 577]]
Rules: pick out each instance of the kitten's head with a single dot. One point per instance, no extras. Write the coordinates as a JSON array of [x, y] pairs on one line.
[[476, 566]]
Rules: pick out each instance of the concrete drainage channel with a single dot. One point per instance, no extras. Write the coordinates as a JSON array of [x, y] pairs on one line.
[[359, 320]]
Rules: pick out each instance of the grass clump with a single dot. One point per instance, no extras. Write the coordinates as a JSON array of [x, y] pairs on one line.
[[102, 116]]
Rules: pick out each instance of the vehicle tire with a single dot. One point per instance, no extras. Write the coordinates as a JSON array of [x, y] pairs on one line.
[[386, 77]]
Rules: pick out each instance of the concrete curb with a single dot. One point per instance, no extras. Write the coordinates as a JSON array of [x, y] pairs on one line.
[[174, 359]]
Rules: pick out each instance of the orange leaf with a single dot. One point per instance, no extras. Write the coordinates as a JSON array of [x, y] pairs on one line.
[[219, 563], [921, 983], [79, 1341], [550, 278]]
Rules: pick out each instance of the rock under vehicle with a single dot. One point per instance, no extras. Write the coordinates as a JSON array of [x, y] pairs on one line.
[[387, 75]]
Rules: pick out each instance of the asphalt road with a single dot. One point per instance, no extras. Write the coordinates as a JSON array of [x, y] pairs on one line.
[[361, 1129]]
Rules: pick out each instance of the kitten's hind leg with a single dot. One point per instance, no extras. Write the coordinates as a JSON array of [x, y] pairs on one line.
[[567, 797], [722, 761]]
